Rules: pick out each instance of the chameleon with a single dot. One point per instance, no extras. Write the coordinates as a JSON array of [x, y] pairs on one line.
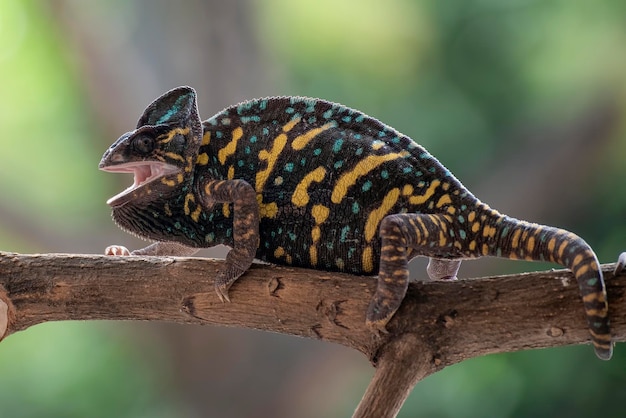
[[308, 183]]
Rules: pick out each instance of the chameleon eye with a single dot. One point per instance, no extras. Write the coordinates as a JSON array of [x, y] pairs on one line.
[[143, 144]]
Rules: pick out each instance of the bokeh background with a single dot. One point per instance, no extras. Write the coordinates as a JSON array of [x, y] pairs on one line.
[[524, 100]]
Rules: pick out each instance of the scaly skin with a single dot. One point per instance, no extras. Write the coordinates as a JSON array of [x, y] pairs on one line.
[[308, 183]]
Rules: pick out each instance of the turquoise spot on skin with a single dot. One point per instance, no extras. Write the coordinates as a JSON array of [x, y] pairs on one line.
[[381, 133], [505, 231], [351, 251], [463, 207], [407, 170], [357, 136], [303, 161], [177, 225], [310, 108], [292, 236], [244, 106], [174, 109], [226, 121], [346, 119], [290, 110], [499, 252], [246, 119], [452, 234], [462, 234], [266, 131], [344, 233], [263, 104], [461, 221], [317, 151], [384, 174], [358, 151], [395, 140], [425, 156], [359, 118], [338, 164], [330, 245], [328, 114], [241, 163], [289, 167], [219, 134], [431, 169], [366, 186], [247, 150], [337, 145], [356, 208], [229, 232], [312, 120], [592, 282]]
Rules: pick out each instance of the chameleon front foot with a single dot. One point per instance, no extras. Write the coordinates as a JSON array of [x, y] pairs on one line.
[[378, 315], [116, 250]]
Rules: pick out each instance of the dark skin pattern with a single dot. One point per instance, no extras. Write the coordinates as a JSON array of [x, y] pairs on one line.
[[308, 183]]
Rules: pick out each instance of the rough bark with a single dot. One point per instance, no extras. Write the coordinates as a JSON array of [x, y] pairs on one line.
[[439, 323]]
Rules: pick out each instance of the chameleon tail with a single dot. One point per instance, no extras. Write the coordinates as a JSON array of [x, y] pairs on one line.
[[528, 241]]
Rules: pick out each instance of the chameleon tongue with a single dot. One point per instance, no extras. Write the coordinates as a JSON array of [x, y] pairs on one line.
[[144, 173]]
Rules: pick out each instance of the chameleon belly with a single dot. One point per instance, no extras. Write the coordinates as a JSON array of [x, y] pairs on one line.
[[313, 184]]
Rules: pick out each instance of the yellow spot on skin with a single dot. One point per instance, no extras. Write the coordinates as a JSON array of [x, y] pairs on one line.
[[442, 239], [320, 213], [562, 249], [407, 190], [168, 182], [367, 259], [552, 244], [377, 215], [206, 138], [423, 227], [577, 260], [226, 210], [582, 270], [266, 210], [230, 148], [471, 216], [376, 145], [188, 198], [489, 231], [179, 178], [445, 186], [472, 245], [475, 227], [167, 209], [301, 141], [174, 156], [279, 252], [418, 200], [231, 173], [485, 249], [316, 233], [278, 181], [300, 195], [167, 137], [444, 200], [313, 255], [203, 159], [289, 125], [530, 244], [515, 239], [451, 210], [362, 168], [270, 157]]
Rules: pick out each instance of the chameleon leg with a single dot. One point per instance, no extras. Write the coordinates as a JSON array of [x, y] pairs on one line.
[[400, 232], [621, 264], [245, 228]]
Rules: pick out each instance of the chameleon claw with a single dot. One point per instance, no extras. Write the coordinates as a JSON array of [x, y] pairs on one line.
[[621, 264], [116, 250]]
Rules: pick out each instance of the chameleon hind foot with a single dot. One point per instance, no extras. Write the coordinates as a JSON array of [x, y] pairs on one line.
[[620, 267]]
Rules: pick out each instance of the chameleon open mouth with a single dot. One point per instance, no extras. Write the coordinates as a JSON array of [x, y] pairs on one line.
[[144, 173]]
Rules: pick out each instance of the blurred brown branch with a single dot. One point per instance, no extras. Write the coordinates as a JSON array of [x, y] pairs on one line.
[[439, 323]]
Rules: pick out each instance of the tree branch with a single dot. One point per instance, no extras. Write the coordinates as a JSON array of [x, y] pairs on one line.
[[439, 323]]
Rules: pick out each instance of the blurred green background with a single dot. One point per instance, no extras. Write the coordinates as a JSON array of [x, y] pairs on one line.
[[524, 100]]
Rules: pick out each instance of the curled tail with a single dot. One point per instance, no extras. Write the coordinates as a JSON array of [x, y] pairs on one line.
[[527, 241]]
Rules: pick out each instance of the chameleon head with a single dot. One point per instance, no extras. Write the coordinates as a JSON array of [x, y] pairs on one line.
[[161, 151]]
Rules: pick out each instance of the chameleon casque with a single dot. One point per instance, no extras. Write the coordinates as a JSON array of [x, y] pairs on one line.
[[308, 183]]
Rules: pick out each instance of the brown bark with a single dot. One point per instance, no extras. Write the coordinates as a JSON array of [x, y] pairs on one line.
[[439, 323]]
